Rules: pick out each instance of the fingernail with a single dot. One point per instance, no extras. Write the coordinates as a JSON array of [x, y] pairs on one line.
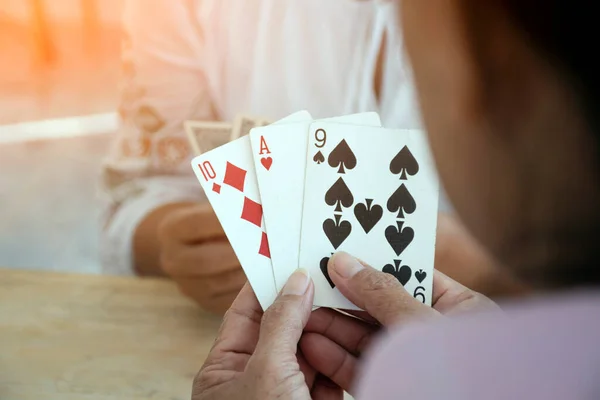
[[297, 284], [345, 265]]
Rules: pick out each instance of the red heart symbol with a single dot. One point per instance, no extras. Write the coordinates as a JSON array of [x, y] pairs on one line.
[[267, 162]]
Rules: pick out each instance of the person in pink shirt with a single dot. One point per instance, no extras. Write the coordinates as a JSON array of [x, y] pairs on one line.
[[510, 97]]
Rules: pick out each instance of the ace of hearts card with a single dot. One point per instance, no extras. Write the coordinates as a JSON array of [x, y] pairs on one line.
[[372, 192]]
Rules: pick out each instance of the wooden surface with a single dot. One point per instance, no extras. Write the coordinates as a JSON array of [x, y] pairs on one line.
[[92, 337]]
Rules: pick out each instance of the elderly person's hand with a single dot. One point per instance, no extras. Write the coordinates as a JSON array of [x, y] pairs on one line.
[[255, 355], [333, 342], [195, 253]]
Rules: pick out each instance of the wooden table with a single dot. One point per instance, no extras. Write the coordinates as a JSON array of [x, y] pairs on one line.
[[89, 337]]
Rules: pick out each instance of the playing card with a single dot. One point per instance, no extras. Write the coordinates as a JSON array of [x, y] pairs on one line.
[[243, 124], [372, 192], [208, 135], [280, 163], [205, 136], [229, 181], [227, 177]]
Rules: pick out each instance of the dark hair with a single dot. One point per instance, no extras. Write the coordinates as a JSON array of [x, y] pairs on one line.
[[562, 30]]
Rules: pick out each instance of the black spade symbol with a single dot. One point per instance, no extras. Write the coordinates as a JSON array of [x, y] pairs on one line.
[[399, 238], [339, 195], [403, 273], [401, 202], [319, 158], [337, 231], [342, 157], [323, 266], [368, 215], [404, 163]]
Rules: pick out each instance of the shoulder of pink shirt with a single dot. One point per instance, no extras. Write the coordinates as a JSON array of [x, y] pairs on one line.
[[542, 348]]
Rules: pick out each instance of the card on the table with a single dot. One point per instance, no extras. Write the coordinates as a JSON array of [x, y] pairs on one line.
[[205, 136], [372, 192], [243, 124], [208, 135], [280, 161]]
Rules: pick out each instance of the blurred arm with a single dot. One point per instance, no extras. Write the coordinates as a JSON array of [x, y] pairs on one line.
[[147, 174]]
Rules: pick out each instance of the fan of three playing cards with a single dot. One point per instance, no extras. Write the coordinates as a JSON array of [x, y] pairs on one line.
[[291, 194]]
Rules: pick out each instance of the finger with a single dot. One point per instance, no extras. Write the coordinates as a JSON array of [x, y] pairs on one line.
[[211, 286], [244, 316], [461, 257], [199, 260], [284, 320], [442, 284], [310, 374], [453, 298], [324, 389], [458, 254], [350, 333], [228, 282], [220, 304], [376, 292], [217, 304], [192, 225], [329, 359]]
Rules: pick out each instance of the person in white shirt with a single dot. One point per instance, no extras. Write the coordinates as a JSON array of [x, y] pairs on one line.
[[212, 59]]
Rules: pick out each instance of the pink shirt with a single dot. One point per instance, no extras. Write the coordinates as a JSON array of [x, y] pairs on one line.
[[543, 349]]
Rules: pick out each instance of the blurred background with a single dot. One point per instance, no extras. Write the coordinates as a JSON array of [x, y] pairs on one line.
[[59, 71]]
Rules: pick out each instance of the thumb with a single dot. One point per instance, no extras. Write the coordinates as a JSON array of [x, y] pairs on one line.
[[378, 293], [284, 320]]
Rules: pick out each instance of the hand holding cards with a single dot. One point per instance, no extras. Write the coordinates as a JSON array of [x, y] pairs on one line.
[[293, 193]]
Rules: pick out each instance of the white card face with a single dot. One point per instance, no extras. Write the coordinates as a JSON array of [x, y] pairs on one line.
[[373, 193], [280, 163], [229, 181]]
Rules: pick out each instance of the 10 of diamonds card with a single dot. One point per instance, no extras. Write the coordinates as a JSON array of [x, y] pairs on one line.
[[227, 176], [229, 181]]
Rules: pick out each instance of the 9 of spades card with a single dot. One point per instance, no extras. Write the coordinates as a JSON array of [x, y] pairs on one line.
[[371, 192]]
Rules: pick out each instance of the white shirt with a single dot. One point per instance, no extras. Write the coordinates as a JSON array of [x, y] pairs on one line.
[[213, 59]]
